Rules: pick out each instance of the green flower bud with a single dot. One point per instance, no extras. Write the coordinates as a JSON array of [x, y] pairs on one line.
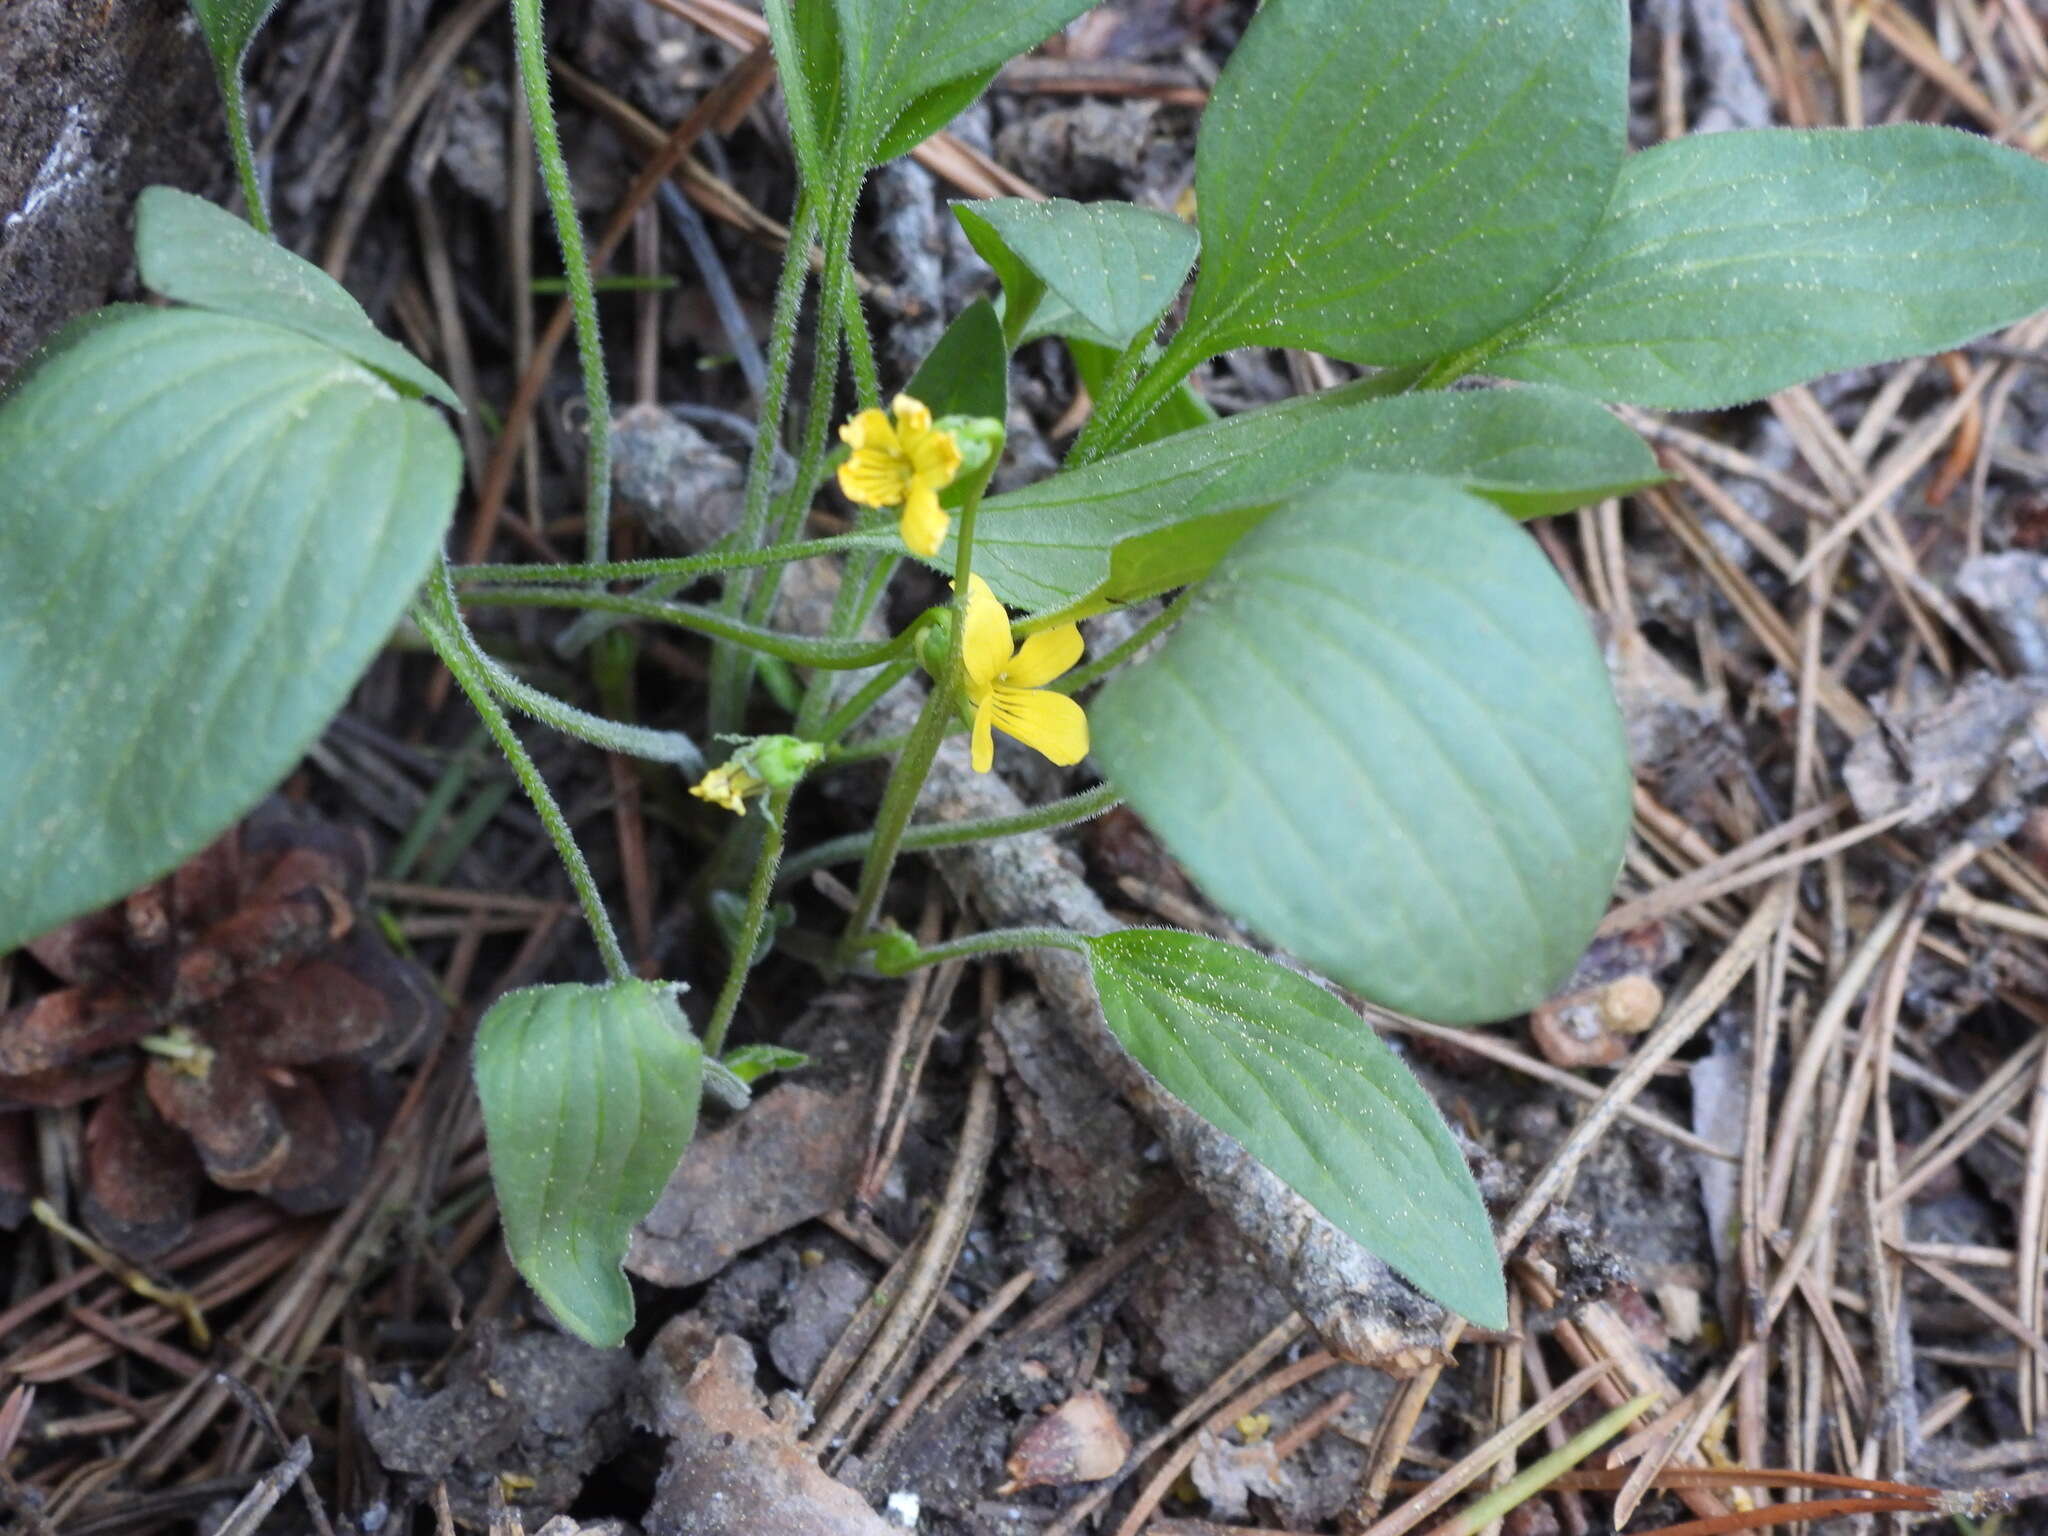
[[781, 760], [980, 439]]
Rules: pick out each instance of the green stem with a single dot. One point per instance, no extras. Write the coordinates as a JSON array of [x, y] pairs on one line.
[[554, 171], [1107, 432], [860, 351], [235, 100], [671, 747], [683, 566], [731, 671], [1125, 649], [951, 834], [849, 714], [906, 779], [1116, 386], [995, 941], [1532, 1479], [748, 938], [797, 650], [441, 623], [728, 677]]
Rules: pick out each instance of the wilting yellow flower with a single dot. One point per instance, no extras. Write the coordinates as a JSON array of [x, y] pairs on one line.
[[728, 785], [1006, 686], [906, 463]]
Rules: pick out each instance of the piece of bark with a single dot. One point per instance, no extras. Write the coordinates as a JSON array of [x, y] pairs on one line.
[[99, 101], [1359, 1307], [2010, 594], [733, 1468], [1981, 750], [793, 1155]]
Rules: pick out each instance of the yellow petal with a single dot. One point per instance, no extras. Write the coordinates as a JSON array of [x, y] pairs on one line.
[[874, 478], [924, 522], [1044, 656], [935, 457], [984, 740], [985, 646], [717, 787], [869, 429], [1050, 723], [913, 417]]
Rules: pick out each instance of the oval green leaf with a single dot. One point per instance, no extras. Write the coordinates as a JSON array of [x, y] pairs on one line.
[[212, 526], [1305, 1086], [1384, 737], [1107, 270], [1530, 451], [590, 1097], [190, 250], [1387, 182], [1734, 264]]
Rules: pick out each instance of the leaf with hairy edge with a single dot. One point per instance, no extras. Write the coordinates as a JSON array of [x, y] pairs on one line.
[[1107, 270], [212, 525], [1734, 264], [230, 27], [1383, 736], [590, 1097], [1531, 451], [192, 251], [1388, 182], [1305, 1086], [909, 66], [1182, 411]]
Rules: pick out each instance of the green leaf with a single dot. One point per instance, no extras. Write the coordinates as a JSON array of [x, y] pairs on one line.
[[751, 1063], [909, 65], [1023, 289], [1530, 451], [590, 1097], [967, 374], [930, 113], [1734, 264], [807, 57], [1387, 182], [212, 525], [230, 27], [1300, 1081], [1383, 736], [192, 251], [1108, 269]]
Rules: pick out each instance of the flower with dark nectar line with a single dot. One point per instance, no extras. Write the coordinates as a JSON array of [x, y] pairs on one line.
[[1006, 685], [906, 462]]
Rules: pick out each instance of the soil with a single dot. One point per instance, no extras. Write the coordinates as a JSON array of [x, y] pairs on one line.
[[1778, 1152]]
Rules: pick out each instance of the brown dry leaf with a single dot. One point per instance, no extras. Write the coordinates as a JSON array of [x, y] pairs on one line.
[[1078, 1442], [793, 1155]]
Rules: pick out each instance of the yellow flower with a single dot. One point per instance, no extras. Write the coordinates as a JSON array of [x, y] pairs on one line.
[[728, 785], [1007, 686], [903, 463]]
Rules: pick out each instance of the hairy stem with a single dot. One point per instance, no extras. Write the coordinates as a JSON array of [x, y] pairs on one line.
[[951, 834], [748, 938], [554, 171], [797, 650], [995, 941], [441, 623]]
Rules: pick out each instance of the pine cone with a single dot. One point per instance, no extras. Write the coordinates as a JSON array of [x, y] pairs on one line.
[[235, 1022]]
